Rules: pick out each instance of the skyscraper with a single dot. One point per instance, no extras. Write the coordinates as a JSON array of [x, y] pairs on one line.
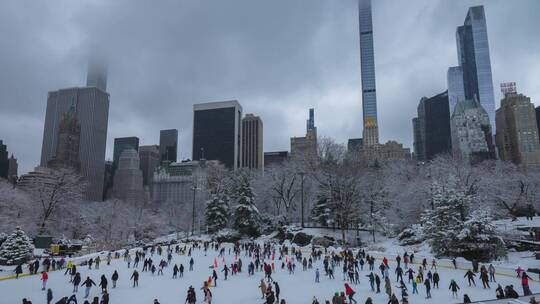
[[69, 138], [456, 90], [472, 139], [4, 161], [538, 119], [474, 60], [121, 144], [517, 131], [150, 160], [128, 179], [432, 127], [91, 108], [306, 146], [168, 145], [12, 169], [252, 142], [367, 61], [217, 133]]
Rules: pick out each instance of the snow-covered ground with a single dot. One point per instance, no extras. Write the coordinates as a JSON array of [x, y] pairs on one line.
[[298, 288]]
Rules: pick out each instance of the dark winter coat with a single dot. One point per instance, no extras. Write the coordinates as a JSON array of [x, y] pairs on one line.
[[88, 283]]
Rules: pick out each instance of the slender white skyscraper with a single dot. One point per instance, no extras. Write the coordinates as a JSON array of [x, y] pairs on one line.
[[367, 60]]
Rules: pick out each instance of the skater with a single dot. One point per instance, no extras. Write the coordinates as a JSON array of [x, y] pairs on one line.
[[225, 271], [378, 283], [485, 278], [499, 292], [114, 278], [491, 270], [44, 278], [191, 296], [262, 286], [181, 269], [214, 277], [371, 281], [317, 275], [276, 287], [103, 283], [76, 281], [427, 283], [191, 262], [436, 279], [525, 284], [388, 287], [49, 296], [18, 271], [466, 299], [88, 285], [135, 278], [470, 277], [350, 293], [454, 288], [414, 287], [105, 298]]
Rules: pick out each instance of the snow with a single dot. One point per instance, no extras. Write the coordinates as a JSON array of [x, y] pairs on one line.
[[298, 288]]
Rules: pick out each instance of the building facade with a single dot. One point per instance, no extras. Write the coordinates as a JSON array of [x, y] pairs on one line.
[[128, 178], [517, 130], [175, 182], [4, 161], [472, 139], [168, 145], [474, 60], [276, 158], [217, 132], [13, 169], [306, 146], [367, 61], [252, 142], [150, 160], [538, 119], [432, 127], [121, 144], [67, 150], [456, 88], [91, 108]]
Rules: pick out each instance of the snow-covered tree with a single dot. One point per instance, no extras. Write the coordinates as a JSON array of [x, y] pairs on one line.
[[216, 212], [321, 213], [16, 249], [245, 213], [478, 239], [444, 222]]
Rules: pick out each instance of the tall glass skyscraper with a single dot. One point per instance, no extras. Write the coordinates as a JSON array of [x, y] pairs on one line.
[[456, 91], [474, 60], [367, 61]]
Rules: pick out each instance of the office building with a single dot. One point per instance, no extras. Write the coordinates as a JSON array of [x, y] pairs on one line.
[[379, 153], [354, 145], [4, 161], [367, 60], [456, 89], [217, 134], [517, 130], [67, 150], [128, 179], [175, 182], [168, 145], [121, 144], [13, 168], [252, 142], [306, 146], [432, 127], [474, 60], [150, 160], [91, 108], [272, 159], [470, 129]]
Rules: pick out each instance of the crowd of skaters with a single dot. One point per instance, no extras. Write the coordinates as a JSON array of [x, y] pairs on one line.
[[266, 258]]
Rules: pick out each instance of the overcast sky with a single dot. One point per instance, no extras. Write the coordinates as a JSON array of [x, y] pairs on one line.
[[277, 58]]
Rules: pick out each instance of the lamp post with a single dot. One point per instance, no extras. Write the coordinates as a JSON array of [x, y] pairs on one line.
[[193, 210]]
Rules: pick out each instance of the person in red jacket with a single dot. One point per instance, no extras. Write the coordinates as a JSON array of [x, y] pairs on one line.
[[350, 293], [525, 284], [44, 278]]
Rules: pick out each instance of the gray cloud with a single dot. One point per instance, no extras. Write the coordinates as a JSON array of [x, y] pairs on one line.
[[278, 58]]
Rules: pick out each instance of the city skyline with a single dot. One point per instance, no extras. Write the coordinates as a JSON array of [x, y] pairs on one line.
[[142, 109]]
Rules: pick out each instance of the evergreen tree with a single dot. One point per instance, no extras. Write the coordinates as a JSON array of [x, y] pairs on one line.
[[246, 215], [444, 221], [478, 238], [321, 212], [16, 249], [216, 212]]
